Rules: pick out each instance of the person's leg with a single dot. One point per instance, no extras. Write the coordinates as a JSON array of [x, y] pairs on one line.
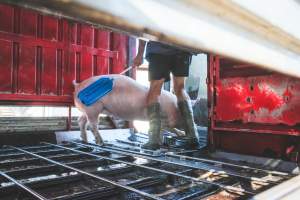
[[180, 70], [154, 91], [185, 108], [153, 112], [179, 90], [158, 73]]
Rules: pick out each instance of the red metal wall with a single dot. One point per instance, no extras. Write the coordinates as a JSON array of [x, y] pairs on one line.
[[40, 56], [252, 111]]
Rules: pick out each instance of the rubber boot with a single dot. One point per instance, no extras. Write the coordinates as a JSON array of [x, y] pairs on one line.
[[189, 125], [153, 112]]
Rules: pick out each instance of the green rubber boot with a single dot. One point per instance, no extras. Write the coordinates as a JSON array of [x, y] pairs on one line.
[[189, 125], [154, 142]]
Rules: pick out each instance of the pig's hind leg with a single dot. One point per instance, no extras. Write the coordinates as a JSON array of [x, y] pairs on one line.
[[94, 129], [92, 117], [82, 122]]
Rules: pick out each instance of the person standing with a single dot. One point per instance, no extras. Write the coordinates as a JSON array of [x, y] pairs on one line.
[[163, 60]]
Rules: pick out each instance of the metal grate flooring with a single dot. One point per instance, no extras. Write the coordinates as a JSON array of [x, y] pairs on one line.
[[87, 171]]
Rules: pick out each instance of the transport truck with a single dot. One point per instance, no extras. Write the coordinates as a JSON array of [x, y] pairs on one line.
[[249, 149]]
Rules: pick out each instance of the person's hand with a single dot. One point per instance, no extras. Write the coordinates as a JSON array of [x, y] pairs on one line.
[[137, 61]]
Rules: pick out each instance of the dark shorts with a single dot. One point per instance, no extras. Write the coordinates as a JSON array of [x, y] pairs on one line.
[[160, 66]]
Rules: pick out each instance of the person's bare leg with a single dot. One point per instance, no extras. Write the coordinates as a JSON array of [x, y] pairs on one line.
[[153, 112], [179, 88], [154, 91], [185, 108]]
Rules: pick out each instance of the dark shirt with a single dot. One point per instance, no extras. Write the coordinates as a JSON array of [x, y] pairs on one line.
[[163, 49]]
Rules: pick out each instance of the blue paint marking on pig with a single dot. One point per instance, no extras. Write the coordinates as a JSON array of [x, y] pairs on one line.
[[95, 91]]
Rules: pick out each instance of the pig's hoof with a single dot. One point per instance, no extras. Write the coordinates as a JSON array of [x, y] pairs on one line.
[[84, 140], [99, 142]]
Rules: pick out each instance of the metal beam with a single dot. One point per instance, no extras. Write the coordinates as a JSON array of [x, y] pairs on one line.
[[136, 150], [208, 168], [144, 194], [201, 180], [272, 172], [60, 181], [264, 35]]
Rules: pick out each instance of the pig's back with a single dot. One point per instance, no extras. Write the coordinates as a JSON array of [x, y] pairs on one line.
[[127, 100]]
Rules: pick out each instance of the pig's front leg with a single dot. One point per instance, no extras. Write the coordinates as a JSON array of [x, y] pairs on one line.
[[82, 122]]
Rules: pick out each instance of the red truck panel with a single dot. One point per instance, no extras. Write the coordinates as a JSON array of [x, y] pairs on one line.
[[248, 105], [41, 55], [271, 99], [5, 66]]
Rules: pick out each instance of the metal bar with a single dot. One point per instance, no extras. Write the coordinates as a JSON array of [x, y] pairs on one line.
[[27, 148], [43, 152], [228, 164], [33, 193], [93, 194], [197, 195], [69, 119], [102, 193], [48, 168], [226, 187], [27, 173], [292, 132], [33, 41], [179, 164], [48, 152], [67, 179], [205, 168], [91, 175], [137, 144], [36, 160], [51, 168], [136, 150]]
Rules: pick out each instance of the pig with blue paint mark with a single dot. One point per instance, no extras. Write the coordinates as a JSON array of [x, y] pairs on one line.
[[126, 100]]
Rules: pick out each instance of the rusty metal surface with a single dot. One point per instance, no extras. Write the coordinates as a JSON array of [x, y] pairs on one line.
[[271, 99], [40, 55], [252, 107]]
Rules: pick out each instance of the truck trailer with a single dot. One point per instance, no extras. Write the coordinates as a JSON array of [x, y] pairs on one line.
[[249, 148]]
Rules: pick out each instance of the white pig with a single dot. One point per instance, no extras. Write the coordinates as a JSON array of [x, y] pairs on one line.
[[127, 101]]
